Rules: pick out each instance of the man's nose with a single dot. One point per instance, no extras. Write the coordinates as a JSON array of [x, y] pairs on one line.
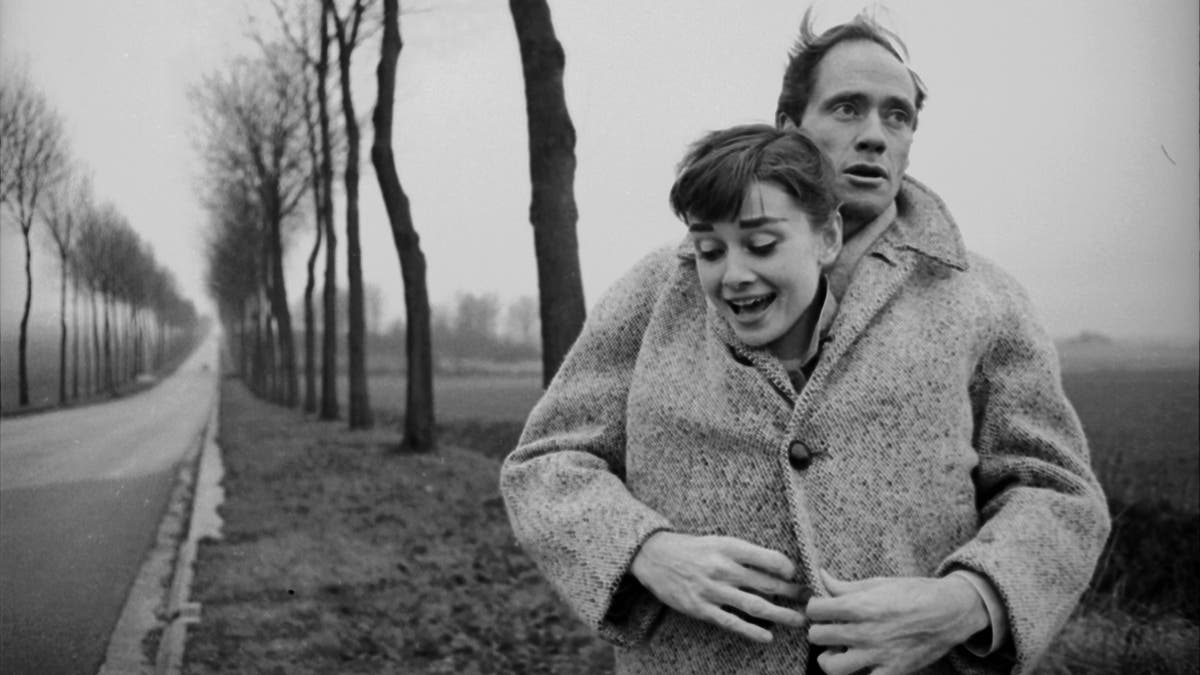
[[871, 136]]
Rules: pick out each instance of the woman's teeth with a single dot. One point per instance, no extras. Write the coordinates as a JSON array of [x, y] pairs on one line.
[[750, 305]]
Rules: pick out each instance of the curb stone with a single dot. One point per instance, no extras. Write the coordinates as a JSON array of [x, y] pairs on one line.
[[158, 598]]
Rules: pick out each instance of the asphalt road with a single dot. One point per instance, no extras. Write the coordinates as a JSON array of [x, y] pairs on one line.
[[81, 495]]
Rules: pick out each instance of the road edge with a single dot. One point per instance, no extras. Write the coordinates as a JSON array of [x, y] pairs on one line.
[[158, 599]]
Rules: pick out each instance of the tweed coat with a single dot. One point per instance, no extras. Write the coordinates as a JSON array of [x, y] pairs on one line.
[[933, 435]]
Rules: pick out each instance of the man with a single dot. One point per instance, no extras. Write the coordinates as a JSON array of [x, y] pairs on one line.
[[928, 484], [851, 92]]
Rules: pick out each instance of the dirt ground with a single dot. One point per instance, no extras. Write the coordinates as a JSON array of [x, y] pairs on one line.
[[342, 556]]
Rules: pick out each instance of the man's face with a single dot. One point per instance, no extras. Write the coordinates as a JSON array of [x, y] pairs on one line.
[[862, 113]]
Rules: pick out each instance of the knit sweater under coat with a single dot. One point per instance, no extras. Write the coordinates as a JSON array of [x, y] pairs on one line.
[[939, 435]]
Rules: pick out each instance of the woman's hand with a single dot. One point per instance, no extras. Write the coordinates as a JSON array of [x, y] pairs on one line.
[[891, 625], [703, 577]]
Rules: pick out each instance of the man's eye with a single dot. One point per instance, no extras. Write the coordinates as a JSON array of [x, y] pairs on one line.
[[899, 117], [844, 111]]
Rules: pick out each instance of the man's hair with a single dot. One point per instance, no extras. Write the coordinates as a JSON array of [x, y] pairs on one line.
[[712, 178], [806, 54]]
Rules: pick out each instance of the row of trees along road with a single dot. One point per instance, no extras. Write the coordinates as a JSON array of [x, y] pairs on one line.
[[271, 136], [134, 319]]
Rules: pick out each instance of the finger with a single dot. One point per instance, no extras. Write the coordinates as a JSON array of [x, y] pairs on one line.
[[769, 561], [835, 634], [734, 624], [761, 608], [752, 578], [837, 586], [835, 662], [831, 610]]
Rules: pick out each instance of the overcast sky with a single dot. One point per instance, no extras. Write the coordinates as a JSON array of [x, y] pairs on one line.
[[1062, 135]]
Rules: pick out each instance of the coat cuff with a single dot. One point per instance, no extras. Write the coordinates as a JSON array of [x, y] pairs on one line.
[[633, 610], [988, 640]]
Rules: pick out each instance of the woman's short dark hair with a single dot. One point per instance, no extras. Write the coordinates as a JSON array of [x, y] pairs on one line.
[[800, 77], [711, 180]]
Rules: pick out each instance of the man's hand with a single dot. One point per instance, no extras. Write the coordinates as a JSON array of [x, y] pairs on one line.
[[892, 625], [704, 576]]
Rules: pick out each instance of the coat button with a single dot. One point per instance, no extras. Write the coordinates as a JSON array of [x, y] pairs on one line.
[[799, 455]]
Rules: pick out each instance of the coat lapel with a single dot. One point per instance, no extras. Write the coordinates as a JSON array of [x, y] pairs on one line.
[[879, 276], [923, 229]]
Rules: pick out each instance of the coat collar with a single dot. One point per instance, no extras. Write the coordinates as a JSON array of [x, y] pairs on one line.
[[923, 225]]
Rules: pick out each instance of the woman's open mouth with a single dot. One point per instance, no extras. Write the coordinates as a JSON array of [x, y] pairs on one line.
[[748, 306]]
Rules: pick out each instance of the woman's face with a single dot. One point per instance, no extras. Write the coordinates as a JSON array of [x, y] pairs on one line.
[[761, 270]]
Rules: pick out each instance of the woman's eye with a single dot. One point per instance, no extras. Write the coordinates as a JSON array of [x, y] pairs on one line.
[[761, 249], [709, 254]]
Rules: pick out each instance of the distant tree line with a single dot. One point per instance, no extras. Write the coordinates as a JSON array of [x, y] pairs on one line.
[[473, 327], [271, 135], [133, 319]]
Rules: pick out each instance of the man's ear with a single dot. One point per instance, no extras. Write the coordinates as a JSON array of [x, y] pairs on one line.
[[831, 240], [782, 121]]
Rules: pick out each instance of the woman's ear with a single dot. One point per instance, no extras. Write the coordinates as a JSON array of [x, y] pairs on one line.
[[831, 239]]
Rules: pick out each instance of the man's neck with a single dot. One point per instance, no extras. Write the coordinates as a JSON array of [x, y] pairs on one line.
[[854, 246], [851, 229]]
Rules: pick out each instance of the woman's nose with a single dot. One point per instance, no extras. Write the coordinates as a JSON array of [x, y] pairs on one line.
[[737, 272]]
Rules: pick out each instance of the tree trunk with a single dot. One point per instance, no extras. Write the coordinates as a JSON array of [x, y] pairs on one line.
[[23, 338], [552, 173], [288, 379], [243, 349], [360, 405], [94, 386], [62, 337], [310, 337], [109, 376], [329, 334], [418, 411], [75, 338]]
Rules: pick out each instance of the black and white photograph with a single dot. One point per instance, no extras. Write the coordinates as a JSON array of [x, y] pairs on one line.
[[556, 336]]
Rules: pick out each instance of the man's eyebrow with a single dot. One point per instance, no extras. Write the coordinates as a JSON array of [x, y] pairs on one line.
[[855, 97], [759, 221], [900, 102]]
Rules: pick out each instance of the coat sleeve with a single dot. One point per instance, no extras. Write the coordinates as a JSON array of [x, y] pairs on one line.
[[564, 486], [1043, 517]]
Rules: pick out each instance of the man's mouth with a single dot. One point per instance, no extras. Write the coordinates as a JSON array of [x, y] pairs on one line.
[[866, 174], [750, 305]]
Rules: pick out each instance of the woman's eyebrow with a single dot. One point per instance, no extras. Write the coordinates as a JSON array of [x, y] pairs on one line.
[[759, 221]]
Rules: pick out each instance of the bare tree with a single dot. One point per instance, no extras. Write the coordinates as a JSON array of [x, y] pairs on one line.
[[418, 413], [68, 205], [32, 159], [329, 391], [314, 71], [346, 32], [521, 321], [552, 172], [233, 277], [255, 138]]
